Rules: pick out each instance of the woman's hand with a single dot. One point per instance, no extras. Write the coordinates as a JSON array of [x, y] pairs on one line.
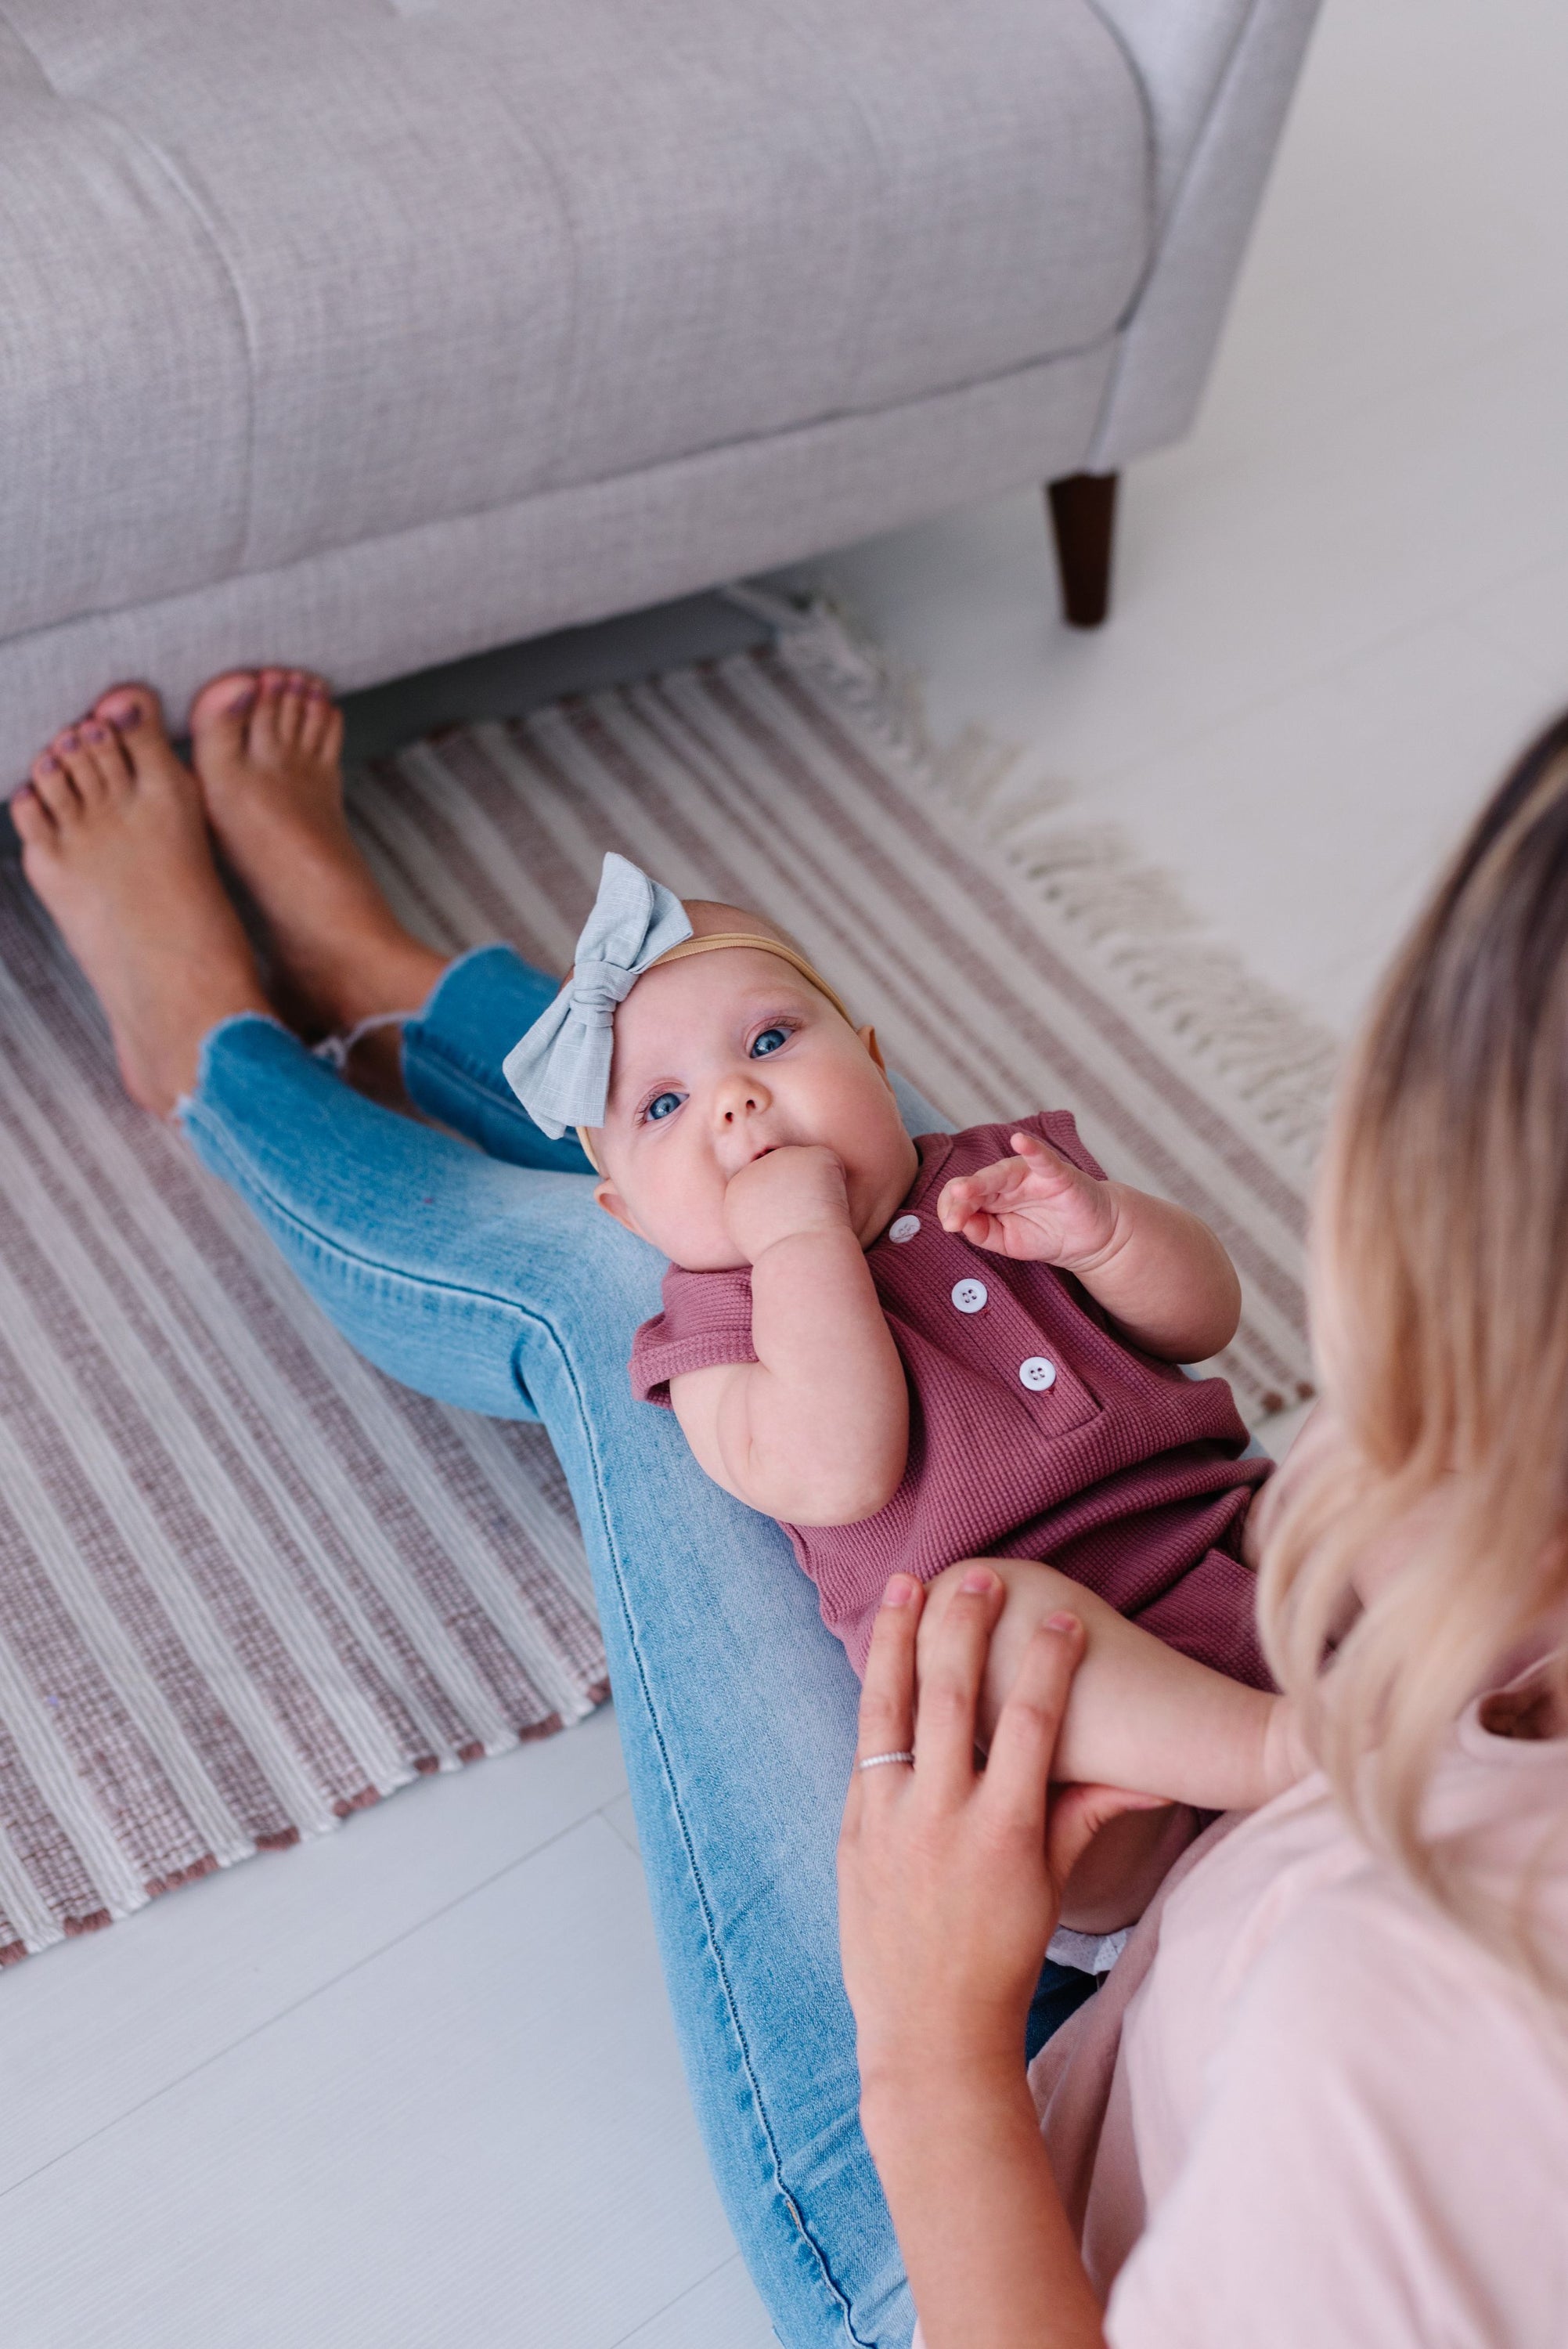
[[950, 1877], [949, 1885]]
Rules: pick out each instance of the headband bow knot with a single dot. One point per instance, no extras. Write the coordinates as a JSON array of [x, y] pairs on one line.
[[560, 1071]]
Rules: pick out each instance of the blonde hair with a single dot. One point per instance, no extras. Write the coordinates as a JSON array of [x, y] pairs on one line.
[[1440, 1311]]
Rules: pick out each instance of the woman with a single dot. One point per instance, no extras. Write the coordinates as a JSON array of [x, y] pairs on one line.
[[1327, 2097], [520, 1299]]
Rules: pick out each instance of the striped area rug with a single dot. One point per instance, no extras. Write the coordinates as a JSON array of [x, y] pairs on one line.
[[248, 1585]]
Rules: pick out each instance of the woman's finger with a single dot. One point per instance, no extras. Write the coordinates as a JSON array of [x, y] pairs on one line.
[[1018, 1766], [951, 1670], [887, 1694]]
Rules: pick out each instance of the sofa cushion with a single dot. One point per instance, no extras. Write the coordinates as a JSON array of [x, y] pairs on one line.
[[279, 275]]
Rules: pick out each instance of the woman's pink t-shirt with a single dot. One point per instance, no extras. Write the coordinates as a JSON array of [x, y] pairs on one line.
[[1331, 2117]]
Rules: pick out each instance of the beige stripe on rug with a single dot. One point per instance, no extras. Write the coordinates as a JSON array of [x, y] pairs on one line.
[[248, 1585]]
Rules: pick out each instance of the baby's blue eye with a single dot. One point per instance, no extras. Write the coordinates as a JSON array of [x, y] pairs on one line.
[[663, 1105], [770, 1041]]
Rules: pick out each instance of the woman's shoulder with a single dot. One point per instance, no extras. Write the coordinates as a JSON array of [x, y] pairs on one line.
[[1495, 1814], [1306, 1910], [1369, 1980]]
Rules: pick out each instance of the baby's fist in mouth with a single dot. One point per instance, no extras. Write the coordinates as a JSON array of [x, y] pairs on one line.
[[797, 1187]]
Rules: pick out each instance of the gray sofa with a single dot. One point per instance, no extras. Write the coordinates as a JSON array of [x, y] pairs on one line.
[[368, 333]]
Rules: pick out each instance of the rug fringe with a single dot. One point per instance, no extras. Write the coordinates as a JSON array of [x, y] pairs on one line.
[[1132, 915]]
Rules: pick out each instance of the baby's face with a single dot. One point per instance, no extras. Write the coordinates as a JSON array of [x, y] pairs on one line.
[[718, 1058]]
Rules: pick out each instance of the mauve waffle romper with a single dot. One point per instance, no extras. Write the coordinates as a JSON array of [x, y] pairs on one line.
[[1035, 1430]]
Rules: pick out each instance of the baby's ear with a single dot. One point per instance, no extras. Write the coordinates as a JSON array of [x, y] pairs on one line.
[[867, 1037], [606, 1196]]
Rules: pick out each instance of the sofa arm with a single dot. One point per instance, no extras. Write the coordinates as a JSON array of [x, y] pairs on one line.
[[1217, 77]]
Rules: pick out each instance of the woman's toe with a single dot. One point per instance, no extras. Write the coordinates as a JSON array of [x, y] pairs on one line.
[[218, 712], [263, 728], [291, 711], [316, 719], [143, 753], [127, 707], [75, 754], [101, 767], [30, 814], [52, 783]]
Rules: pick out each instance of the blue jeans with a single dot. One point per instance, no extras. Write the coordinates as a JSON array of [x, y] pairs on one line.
[[489, 1280]]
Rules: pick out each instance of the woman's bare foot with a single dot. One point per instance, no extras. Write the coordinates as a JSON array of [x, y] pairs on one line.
[[266, 746], [115, 843]]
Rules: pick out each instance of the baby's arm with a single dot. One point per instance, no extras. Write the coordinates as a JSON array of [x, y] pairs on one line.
[[1158, 1271], [816, 1431]]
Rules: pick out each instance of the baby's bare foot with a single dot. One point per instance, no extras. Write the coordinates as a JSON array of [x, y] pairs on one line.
[[267, 747], [114, 843]]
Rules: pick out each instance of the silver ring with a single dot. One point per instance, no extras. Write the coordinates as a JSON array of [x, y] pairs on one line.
[[875, 1761]]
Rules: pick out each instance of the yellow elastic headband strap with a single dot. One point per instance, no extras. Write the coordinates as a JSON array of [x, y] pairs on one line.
[[714, 943]]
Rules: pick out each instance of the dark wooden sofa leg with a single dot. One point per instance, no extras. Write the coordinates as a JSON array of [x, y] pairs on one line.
[[1083, 520]]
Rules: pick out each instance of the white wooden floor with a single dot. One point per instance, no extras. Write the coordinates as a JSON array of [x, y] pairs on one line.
[[416, 2086]]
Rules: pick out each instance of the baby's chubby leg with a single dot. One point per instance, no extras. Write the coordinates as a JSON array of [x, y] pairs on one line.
[[1140, 1715], [1118, 1875]]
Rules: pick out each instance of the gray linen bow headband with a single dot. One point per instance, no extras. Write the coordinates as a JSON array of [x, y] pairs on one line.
[[560, 1071]]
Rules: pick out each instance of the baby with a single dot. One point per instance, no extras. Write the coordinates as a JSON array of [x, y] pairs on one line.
[[914, 1352]]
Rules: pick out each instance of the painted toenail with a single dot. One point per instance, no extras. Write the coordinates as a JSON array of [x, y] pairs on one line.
[[68, 742], [47, 766], [127, 718], [95, 733], [239, 702]]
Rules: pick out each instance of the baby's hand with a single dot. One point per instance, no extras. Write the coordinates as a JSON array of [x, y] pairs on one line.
[[1037, 1207], [800, 1188]]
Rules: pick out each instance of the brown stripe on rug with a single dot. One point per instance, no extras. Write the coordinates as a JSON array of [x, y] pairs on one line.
[[248, 1585]]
